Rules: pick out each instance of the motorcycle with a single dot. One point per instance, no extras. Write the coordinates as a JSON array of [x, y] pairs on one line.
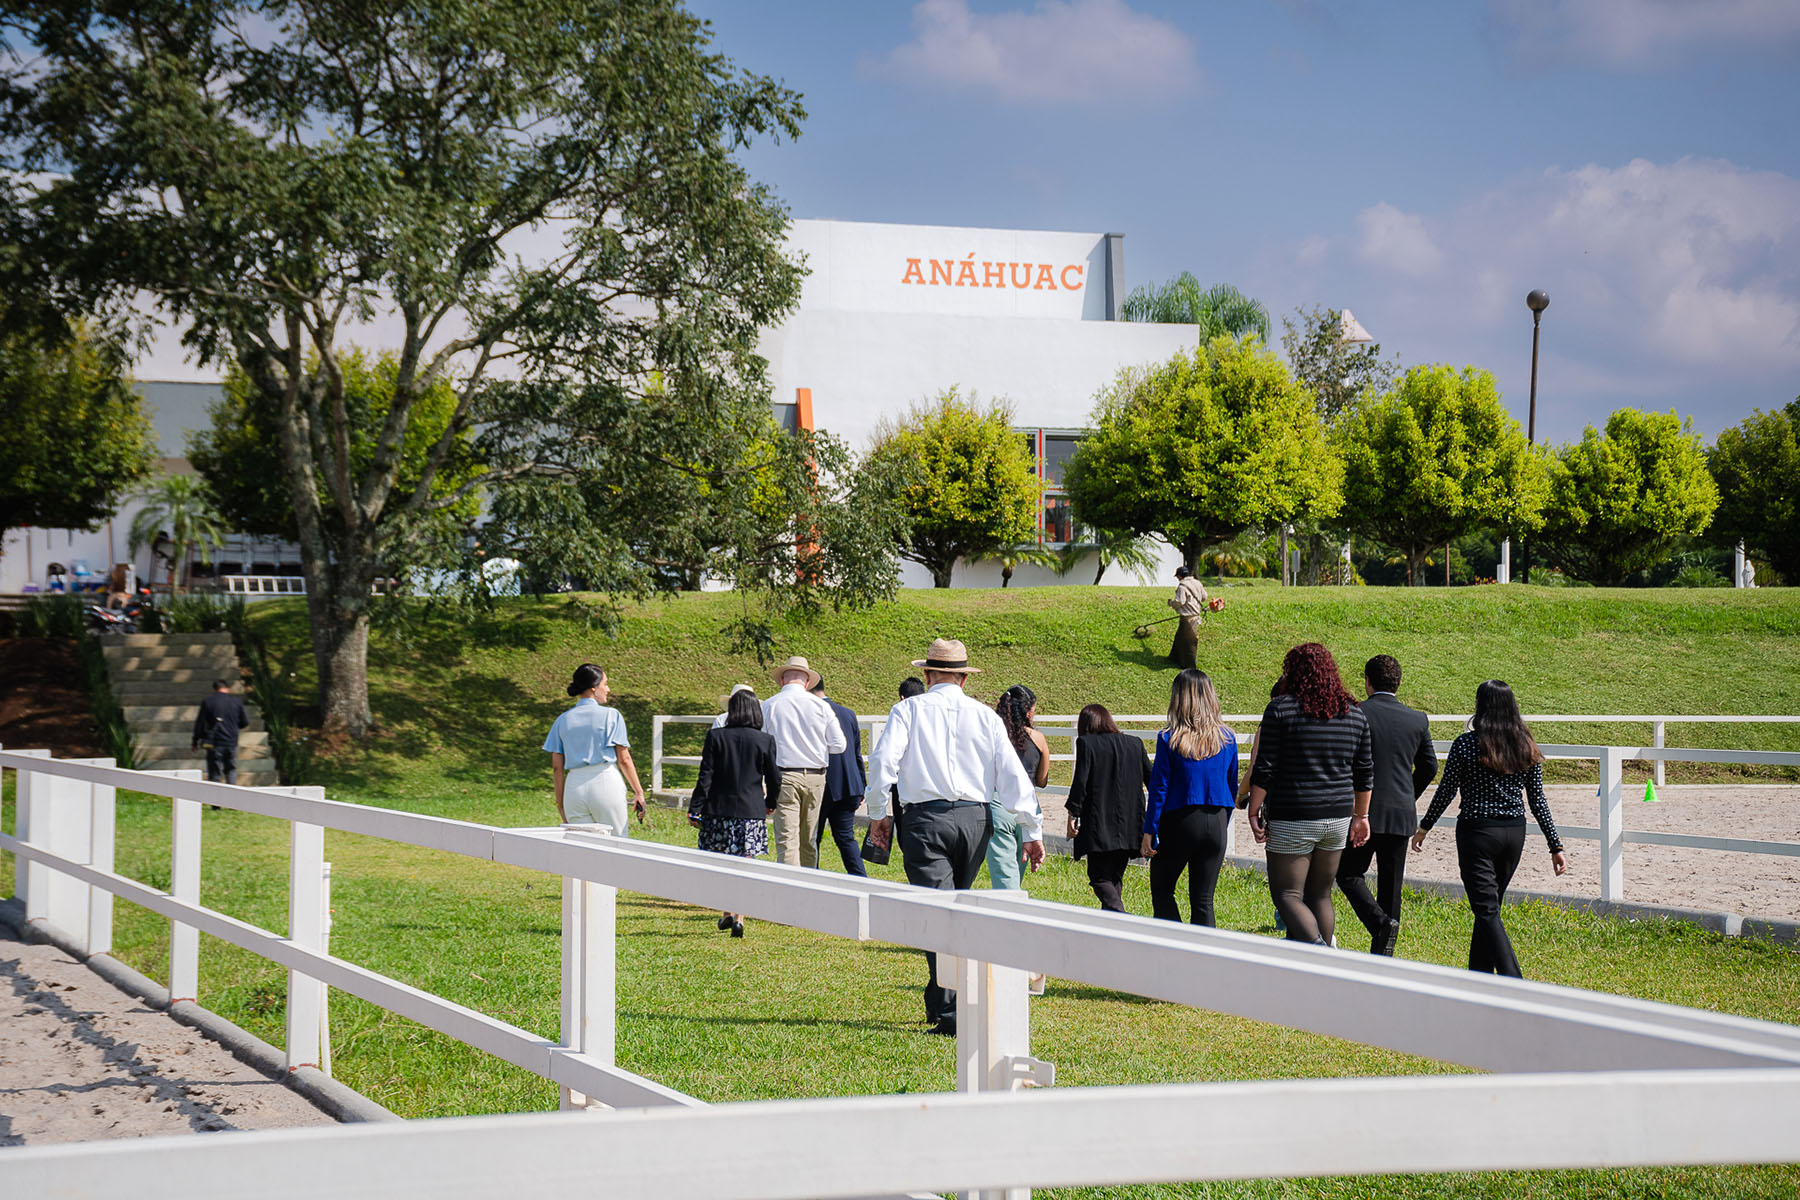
[[103, 621]]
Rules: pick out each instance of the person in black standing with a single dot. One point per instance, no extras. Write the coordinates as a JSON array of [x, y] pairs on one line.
[[844, 789], [737, 790], [216, 727], [1106, 801], [1500, 771], [1405, 765]]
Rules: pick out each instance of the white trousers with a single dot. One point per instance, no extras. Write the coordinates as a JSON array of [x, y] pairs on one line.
[[595, 795]]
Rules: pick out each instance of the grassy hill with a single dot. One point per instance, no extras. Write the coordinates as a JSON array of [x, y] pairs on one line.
[[462, 702]]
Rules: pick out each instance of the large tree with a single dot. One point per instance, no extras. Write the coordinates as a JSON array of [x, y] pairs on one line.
[[1757, 467], [74, 439], [543, 190], [965, 479], [1622, 499], [1434, 459], [1219, 311], [1335, 371], [1202, 447]]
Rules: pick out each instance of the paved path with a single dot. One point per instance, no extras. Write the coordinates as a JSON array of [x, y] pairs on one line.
[[81, 1061]]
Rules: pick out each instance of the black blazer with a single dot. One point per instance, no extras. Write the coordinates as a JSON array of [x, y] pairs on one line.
[[738, 775], [844, 772], [1107, 794], [220, 717], [1405, 763]]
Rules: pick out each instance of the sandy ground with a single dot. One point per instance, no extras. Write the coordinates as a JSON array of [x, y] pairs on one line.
[[1756, 885], [81, 1061]]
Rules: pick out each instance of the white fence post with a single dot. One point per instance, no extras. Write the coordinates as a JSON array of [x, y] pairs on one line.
[[1612, 832], [325, 948], [31, 820], [103, 835], [184, 885], [993, 1039], [589, 975], [1657, 731], [306, 927], [656, 754]]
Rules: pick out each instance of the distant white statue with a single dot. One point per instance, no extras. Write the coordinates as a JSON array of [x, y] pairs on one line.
[[1346, 572], [1747, 575]]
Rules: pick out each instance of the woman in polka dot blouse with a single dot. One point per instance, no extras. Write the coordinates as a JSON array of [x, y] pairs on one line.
[[1499, 770]]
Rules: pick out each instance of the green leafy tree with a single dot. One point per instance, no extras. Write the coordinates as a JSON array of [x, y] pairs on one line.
[[74, 439], [1757, 467], [963, 478], [547, 187], [1111, 548], [1335, 371], [1202, 447], [1621, 500], [179, 506], [1434, 459], [1219, 311], [1023, 554]]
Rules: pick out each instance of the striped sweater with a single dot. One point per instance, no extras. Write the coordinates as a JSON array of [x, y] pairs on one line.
[[1311, 769]]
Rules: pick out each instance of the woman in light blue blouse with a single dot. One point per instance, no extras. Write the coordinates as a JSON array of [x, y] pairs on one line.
[[590, 758]]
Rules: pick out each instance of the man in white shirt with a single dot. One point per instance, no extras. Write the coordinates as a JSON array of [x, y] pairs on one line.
[[948, 753], [806, 734]]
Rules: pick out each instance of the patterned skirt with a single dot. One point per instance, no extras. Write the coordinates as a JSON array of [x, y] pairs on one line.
[[742, 836]]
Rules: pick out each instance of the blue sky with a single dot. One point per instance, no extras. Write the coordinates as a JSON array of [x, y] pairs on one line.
[[1423, 164]]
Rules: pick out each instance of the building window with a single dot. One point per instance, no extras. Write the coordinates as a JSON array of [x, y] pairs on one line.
[[1051, 449]]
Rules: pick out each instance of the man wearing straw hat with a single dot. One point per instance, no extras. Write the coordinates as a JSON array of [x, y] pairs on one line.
[[806, 734], [948, 753]]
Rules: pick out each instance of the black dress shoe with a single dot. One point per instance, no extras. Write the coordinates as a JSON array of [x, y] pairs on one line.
[[1383, 939], [724, 923], [737, 929], [947, 1027]]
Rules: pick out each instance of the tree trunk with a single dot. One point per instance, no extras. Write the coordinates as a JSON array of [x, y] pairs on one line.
[[940, 575], [340, 635], [1100, 567], [1006, 573]]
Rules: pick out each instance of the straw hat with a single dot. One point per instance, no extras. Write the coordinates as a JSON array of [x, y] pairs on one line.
[[949, 656], [725, 700], [798, 663]]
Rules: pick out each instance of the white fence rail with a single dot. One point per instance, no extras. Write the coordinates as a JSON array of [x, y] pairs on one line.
[[1611, 832], [1718, 1088], [264, 585]]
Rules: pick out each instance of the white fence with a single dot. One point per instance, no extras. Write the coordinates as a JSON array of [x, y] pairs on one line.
[[264, 585], [1611, 832], [1589, 1080]]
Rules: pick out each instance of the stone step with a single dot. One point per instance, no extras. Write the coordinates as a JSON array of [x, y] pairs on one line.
[[221, 638], [184, 726], [130, 660], [149, 759], [201, 676], [184, 739], [138, 695], [177, 716]]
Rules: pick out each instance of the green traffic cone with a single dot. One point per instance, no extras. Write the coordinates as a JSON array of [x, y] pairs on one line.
[[1650, 792]]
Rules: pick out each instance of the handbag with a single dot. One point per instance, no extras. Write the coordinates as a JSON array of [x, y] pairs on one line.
[[877, 853]]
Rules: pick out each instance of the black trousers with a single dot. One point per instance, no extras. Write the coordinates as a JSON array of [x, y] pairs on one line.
[[945, 844], [1488, 854], [1388, 852], [1106, 875], [1190, 838], [221, 763], [842, 820]]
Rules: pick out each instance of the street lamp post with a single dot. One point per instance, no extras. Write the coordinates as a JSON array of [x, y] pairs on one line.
[[1537, 302]]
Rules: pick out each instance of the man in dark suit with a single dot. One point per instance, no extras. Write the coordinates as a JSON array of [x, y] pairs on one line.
[[216, 727], [1405, 765], [844, 787]]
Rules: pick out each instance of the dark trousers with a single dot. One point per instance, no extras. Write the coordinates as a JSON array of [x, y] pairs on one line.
[[1190, 838], [1388, 852], [841, 817], [945, 844], [1106, 875], [221, 763], [1488, 854], [1187, 643]]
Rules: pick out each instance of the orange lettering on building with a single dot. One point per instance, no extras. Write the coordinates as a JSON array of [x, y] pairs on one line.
[[1065, 276], [1016, 281], [913, 273], [970, 272], [1045, 278], [943, 266], [993, 274]]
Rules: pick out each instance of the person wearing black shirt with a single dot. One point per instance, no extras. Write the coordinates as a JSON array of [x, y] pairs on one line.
[[1405, 764], [1106, 801], [1500, 771], [216, 727], [737, 790]]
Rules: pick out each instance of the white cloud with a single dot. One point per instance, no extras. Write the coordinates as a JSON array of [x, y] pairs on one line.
[[1395, 241], [1636, 33], [1671, 284], [1058, 51]]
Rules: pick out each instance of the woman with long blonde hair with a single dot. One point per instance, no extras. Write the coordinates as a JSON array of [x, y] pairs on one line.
[[1193, 789]]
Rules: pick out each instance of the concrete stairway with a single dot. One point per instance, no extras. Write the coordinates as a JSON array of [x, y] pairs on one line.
[[160, 679]]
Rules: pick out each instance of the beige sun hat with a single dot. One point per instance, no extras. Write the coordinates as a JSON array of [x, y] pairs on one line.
[[725, 700], [949, 656], [798, 663]]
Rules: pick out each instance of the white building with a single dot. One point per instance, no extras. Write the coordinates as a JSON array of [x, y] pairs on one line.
[[890, 315], [895, 314]]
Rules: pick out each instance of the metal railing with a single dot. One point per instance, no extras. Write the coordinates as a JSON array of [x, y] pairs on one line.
[[1629, 1082]]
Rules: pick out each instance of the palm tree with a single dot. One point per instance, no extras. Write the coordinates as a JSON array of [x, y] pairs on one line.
[[1245, 554], [1219, 311], [179, 505], [1111, 548], [1023, 554]]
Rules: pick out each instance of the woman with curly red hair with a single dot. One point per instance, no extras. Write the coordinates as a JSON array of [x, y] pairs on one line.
[[1309, 789]]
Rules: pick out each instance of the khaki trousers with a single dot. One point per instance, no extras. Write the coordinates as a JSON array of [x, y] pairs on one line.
[[797, 815]]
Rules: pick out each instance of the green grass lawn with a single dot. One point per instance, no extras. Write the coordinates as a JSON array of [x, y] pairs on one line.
[[789, 1013]]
